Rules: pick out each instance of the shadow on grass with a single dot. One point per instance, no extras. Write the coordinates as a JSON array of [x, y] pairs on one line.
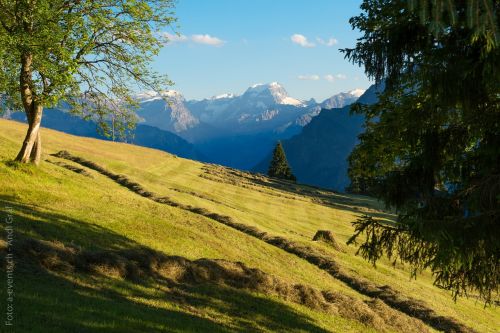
[[33, 222], [46, 301]]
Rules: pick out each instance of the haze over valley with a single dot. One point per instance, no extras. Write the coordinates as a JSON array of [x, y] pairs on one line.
[[234, 130]]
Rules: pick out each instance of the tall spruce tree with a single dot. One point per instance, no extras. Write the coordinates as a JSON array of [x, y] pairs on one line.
[[431, 146], [279, 168]]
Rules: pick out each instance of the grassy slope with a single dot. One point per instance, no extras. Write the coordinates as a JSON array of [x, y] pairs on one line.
[[98, 214]]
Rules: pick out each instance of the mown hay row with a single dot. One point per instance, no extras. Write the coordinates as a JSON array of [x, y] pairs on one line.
[[69, 167], [389, 296], [178, 273]]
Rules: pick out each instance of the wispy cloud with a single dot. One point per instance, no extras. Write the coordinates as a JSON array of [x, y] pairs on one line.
[[313, 77], [207, 40], [199, 39], [301, 40], [329, 42], [332, 78], [304, 42]]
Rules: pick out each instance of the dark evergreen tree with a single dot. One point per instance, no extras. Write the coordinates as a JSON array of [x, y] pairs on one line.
[[279, 167], [431, 146]]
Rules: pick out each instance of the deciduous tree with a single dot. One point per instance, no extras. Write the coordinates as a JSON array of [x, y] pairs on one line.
[[89, 54]]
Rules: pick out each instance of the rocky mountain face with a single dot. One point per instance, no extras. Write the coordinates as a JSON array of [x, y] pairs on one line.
[[166, 111], [318, 155], [235, 130]]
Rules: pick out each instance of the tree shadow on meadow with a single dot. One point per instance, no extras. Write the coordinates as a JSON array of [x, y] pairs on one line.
[[30, 221], [52, 300]]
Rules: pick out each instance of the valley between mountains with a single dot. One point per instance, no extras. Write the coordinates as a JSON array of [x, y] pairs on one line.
[[240, 131]]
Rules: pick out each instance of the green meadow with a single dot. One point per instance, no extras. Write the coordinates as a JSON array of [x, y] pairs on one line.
[[61, 216]]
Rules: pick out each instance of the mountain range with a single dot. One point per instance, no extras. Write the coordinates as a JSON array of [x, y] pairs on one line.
[[240, 131], [262, 107], [235, 130]]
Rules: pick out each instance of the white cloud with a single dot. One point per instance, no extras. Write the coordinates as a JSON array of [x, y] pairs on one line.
[[199, 39], [313, 77], [207, 40], [329, 77], [330, 42], [301, 40], [332, 78]]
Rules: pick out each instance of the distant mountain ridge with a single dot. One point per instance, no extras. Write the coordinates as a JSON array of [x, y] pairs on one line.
[[236, 130], [261, 108], [143, 135], [318, 155]]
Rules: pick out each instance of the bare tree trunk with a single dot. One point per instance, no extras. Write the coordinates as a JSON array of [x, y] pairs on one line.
[[36, 152], [31, 150]]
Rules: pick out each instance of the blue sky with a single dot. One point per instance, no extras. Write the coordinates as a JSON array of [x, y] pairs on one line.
[[227, 45]]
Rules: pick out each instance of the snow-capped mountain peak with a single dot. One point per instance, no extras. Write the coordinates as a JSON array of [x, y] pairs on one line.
[[342, 99], [262, 106], [357, 92], [145, 95], [273, 93], [223, 96], [171, 93], [151, 95]]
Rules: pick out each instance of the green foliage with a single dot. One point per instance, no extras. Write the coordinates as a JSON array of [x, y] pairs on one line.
[[279, 168], [90, 54], [430, 148], [477, 15]]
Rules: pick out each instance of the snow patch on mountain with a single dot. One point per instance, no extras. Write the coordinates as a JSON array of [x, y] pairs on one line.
[[342, 99], [357, 92], [291, 101], [151, 95], [223, 96]]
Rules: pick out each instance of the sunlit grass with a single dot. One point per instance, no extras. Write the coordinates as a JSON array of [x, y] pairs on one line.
[[53, 203]]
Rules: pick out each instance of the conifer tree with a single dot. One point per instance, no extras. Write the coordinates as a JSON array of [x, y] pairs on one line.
[[279, 167], [430, 149]]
